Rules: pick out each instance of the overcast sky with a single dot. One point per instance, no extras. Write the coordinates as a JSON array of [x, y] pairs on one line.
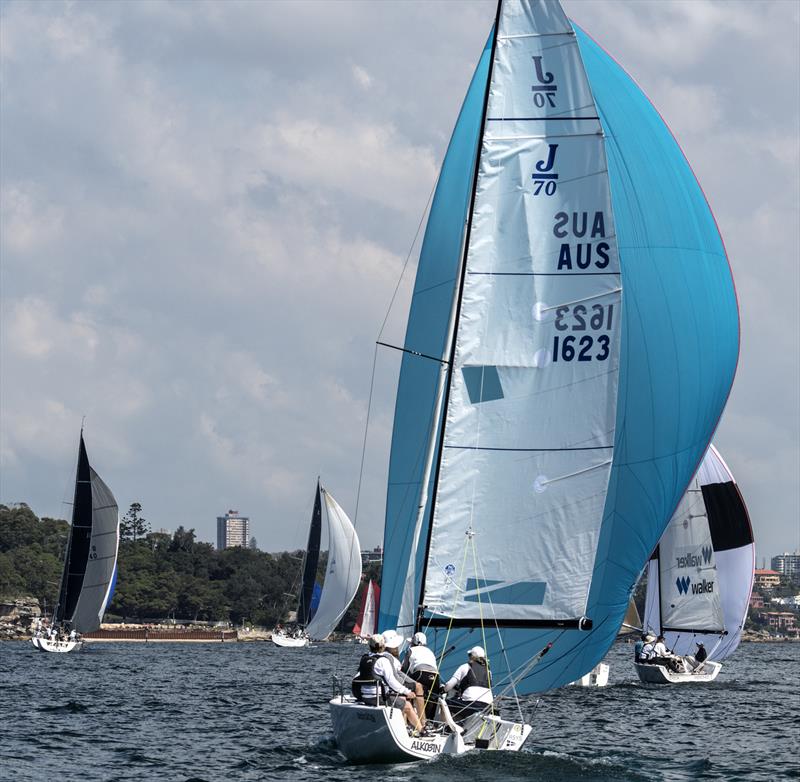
[[206, 207]]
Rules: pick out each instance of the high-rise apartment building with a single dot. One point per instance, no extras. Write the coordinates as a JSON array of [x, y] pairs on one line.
[[787, 564], [232, 530]]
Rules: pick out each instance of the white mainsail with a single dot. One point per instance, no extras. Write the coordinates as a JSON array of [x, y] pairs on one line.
[[343, 573], [687, 570], [530, 415]]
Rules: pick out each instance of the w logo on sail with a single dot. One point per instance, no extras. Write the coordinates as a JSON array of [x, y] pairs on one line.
[[707, 552], [682, 583]]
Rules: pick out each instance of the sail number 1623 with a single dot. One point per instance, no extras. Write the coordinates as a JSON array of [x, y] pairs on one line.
[[580, 318]]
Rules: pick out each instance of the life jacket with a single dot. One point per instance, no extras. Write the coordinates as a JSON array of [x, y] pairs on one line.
[[366, 674], [477, 676]]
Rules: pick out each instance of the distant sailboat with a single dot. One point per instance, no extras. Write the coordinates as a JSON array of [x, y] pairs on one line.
[[90, 562], [700, 577], [571, 342], [368, 615], [342, 575], [598, 676]]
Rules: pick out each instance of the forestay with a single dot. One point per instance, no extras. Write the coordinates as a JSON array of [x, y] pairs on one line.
[[693, 597], [343, 572], [530, 418]]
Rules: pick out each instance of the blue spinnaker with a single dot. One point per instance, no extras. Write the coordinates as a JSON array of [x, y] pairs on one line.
[[677, 359]]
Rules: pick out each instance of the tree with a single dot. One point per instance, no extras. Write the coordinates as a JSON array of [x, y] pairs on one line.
[[133, 526]]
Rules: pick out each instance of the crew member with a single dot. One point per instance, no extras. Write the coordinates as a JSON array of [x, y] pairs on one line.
[[393, 641], [472, 682], [637, 648], [661, 656], [701, 655], [376, 674], [420, 664]]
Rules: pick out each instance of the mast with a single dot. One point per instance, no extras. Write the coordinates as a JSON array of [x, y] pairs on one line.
[[660, 593], [311, 561], [457, 313]]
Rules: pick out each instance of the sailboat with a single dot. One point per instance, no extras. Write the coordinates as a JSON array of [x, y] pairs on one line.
[[368, 615], [571, 342], [342, 575], [700, 576], [90, 562]]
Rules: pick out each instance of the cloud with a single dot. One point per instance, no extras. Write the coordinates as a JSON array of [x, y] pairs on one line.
[[206, 206]]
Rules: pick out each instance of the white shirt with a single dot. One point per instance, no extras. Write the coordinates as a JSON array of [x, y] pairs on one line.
[[659, 650], [420, 658], [384, 669], [647, 651], [482, 694]]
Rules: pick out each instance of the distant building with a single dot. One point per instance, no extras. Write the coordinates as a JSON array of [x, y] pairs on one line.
[[232, 530], [787, 564], [756, 600], [376, 555], [766, 579], [780, 621]]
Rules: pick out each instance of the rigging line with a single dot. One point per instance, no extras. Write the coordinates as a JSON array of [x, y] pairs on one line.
[[413, 352], [366, 432], [449, 626], [569, 33], [471, 536], [408, 255], [479, 564]]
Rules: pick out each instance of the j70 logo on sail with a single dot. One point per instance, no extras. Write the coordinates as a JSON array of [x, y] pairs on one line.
[[544, 93], [543, 179]]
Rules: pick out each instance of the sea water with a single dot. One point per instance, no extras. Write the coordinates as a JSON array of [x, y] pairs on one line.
[[256, 712]]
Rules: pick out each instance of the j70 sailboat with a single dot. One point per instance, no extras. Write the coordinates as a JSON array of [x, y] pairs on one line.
[[571, 343]]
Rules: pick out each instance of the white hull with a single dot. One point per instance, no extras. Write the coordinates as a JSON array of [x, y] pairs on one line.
[[378, 734], [597, 677], [60, 647], [659, 674], [287, 641]]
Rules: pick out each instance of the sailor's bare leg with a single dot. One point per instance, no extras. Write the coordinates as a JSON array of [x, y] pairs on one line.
[[419, 703]]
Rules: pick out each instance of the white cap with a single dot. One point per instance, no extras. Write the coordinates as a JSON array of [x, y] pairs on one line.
[[476, 651], [392, 640], [419, 639], [376, 640]]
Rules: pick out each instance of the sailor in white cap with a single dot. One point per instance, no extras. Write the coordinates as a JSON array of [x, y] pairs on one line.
[[393, 642], [472, 682], [375, 671], [419, 663]]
